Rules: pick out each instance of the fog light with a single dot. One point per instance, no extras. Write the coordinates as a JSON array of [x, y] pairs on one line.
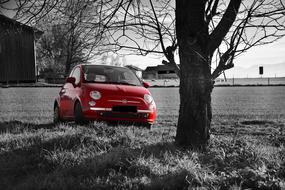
[[92, 103]]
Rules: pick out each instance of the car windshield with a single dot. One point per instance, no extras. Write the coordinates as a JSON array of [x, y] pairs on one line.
[[110, 75]]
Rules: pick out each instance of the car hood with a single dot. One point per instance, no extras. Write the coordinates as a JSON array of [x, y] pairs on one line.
[[117, 89]]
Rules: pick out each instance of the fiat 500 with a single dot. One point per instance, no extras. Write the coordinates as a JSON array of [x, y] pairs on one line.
[[104, 93]]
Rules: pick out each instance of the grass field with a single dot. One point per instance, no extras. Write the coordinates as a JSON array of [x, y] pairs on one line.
[[247, 147]]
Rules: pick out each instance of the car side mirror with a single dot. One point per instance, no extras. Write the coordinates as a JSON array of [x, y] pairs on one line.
[[145, 84], [70, 80]]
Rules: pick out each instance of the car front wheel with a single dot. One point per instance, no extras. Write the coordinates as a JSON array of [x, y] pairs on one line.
[[56, 115], [148, 126], [78, 115]]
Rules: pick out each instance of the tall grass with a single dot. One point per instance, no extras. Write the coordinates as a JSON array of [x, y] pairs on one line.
[[250, 154]]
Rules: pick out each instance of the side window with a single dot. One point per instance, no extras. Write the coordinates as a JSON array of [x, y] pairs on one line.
[[76, 75], [128, 76]]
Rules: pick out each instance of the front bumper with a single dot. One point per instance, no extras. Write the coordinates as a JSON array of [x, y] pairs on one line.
[[106, 114]]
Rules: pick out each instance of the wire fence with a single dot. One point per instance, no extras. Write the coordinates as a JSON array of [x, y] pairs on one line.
[[223, 82]]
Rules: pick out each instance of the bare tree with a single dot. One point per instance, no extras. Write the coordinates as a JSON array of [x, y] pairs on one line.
[[79, 36], [72, 35], [207, 34]]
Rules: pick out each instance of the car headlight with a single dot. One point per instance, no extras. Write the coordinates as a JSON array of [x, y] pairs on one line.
[[148, 98], [95, 95]]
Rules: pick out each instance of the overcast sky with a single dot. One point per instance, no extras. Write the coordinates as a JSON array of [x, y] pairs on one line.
[[263, 55], [267, 54]]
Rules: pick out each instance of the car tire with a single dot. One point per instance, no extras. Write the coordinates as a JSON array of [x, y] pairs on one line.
[[78, 115], [112, 123], [148, 126], [56, 115]]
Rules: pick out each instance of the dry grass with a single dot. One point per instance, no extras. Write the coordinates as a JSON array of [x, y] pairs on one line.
[[97, 156]]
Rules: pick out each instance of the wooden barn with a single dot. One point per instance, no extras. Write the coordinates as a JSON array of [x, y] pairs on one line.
[[159, 72], [17, 51]]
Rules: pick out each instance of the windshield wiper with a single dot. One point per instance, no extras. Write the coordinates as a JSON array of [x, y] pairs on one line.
[[88, 81], [123, 83], [112, 82]]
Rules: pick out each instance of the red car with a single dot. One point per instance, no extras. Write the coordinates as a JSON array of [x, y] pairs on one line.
[[104, 93]]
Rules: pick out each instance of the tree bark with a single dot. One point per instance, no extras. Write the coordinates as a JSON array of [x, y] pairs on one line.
[[67, 67], [68, 60], [195, 112]]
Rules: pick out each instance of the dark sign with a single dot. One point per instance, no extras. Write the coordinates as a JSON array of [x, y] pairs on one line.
[[261, 70]]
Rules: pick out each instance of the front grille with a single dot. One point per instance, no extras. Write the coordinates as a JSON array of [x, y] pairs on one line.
[[124, 109], [124, 115]]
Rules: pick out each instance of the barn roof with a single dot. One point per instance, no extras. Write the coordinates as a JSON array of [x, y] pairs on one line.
[[12, 21], [158, 68]]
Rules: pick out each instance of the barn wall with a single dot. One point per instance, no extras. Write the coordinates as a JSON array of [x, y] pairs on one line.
[[17, 60]]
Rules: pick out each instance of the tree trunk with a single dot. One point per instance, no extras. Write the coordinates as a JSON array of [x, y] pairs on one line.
[[67, 67], [195, 112], [68, 61], [69, 52]]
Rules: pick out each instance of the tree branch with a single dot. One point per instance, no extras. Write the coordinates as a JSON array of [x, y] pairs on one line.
[[158, 27], [211, 12], [224, 26]]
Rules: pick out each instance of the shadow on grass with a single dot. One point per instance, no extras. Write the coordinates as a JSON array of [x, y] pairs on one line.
[[18, 126], [250, 127], [28, 167], [31, 159], [119, 166], [257, 122]]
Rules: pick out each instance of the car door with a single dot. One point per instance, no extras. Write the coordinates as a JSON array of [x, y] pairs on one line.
[[68, 94], [73, 92], [65, 99]]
